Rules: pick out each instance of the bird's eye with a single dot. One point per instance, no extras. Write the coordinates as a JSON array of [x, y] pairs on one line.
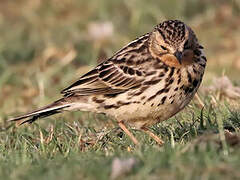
[[164, 48]]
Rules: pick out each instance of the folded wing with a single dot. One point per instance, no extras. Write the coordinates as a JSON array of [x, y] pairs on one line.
[[106, 78]]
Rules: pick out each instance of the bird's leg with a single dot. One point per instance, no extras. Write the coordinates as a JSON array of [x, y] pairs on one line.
[[199, 100], [124, 128], [152, 135]]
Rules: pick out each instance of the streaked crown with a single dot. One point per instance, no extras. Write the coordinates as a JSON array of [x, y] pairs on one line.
[[173, 32]]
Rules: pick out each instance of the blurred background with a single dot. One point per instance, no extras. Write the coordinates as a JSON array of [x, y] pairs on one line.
[[45, 45]]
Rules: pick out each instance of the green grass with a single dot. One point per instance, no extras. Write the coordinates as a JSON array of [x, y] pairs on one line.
[[74, 151], [36, 40]]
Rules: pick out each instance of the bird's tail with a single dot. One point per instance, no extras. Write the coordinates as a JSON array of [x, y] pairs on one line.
[[54, 108]]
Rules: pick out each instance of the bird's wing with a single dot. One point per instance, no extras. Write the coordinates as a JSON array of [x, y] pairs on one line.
[[117, 74], [106, 78]]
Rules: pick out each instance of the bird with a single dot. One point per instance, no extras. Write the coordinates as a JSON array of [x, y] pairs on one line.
[[146, 82]]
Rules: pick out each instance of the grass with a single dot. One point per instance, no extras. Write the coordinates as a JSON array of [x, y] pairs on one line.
[[44, 46], [57, 152]]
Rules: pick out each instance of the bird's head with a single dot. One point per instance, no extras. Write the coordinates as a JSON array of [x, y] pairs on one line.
[[174, 43]]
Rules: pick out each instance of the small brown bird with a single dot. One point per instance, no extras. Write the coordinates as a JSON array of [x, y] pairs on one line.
[[146, 82]]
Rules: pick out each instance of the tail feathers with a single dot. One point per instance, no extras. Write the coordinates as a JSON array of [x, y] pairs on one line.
[[49, 110]]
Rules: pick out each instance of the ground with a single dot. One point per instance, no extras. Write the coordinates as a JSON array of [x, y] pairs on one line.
[[45, 46]]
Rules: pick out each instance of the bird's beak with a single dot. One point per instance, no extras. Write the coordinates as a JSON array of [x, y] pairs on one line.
[[178, 55]]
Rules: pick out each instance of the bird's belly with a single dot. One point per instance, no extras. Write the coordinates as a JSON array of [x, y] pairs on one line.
[[142, 113]]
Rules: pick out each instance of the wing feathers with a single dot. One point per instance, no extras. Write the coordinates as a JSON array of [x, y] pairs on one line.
[[111, 77]]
